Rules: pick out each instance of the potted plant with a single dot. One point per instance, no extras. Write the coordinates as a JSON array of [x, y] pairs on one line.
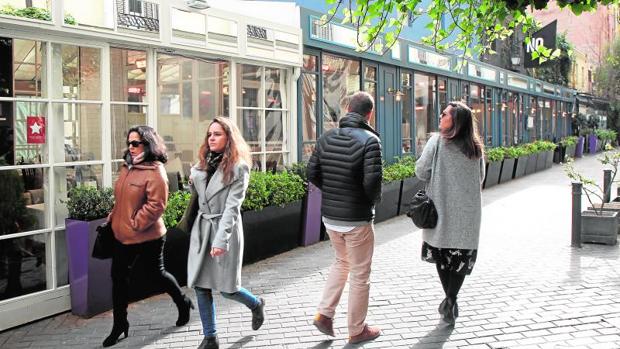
[[531, 149], [495, 157], [597, 225], [89, 278], [511, 154], [568, 144], [522, 155], [547, 148], [388, 207], [272, 214]]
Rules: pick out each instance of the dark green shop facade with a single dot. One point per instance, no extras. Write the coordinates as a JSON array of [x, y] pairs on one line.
[[411, 85]]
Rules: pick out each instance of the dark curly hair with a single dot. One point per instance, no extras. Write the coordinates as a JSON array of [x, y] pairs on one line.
[[154, 148]]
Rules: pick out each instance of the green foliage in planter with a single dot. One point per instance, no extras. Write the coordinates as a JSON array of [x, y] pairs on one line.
[[87, 203], [15, 217], [545, 146], [402, 169], [177, 203], [530, 148], [513, 152], [273, 189], [569, 141], [37, 13], [495, 154], [300, 169], [606, 136]]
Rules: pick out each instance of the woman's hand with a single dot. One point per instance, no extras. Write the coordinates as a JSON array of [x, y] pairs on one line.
[[216, 251]]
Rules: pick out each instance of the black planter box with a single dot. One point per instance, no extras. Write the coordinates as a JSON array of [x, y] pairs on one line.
[[390, 196], [271, 231], [508, 167], [142, 284], [531, 164], [541, 161], [549, 163], [410, 188], [492, 174], [570, 152], [558, 154], [520, 166]]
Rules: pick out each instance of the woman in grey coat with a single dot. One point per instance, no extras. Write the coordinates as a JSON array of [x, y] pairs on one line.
[[452, 164], [216, 244]]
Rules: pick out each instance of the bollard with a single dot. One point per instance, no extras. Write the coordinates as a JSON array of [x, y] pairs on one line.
[[576, 233], [606, 185]]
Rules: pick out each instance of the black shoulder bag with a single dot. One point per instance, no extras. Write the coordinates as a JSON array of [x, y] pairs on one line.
[[422, 209], [104, 242]]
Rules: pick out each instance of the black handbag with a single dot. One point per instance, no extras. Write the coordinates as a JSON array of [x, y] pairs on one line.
[[422, 211], [189, 216], [104, 242]]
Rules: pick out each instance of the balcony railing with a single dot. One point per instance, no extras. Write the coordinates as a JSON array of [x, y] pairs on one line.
[[141, 15]]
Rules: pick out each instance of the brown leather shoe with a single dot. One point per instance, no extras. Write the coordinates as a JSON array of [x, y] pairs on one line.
[[368, 333], [324, 324]]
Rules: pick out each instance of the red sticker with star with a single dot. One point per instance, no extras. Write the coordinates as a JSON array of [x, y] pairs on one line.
[[35, 129]]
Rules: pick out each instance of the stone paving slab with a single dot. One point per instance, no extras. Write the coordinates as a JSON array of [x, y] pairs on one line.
[[529, 289]]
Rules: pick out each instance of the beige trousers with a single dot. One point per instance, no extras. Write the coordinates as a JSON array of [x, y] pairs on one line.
[[354, 251]]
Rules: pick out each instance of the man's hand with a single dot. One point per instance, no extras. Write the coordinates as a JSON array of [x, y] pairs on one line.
[[216, 251]]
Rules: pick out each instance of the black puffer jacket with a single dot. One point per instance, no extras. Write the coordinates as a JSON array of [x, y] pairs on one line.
[[346, 166]]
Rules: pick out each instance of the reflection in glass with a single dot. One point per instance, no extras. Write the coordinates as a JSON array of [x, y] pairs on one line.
[[308, 106], [213, 90], [23, 138], [66, 178], [341, 77], [249, 94], [127, 75], [123, 118], [370, 87], [79, 72], [275, 88], [28, 63], [257, 162], [273, 130], [424, 112], [307, 149], [80, 129], [22, 265], [23, 197], [275, 162], [488, 124], [250, 126], [310, 63], [407, 113]]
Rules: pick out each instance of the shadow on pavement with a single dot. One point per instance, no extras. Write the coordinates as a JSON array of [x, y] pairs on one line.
[[436, 337], [241, 342], [323, 345]]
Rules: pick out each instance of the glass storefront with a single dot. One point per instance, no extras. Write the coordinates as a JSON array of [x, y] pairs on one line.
[[341, 77], [425, 110]]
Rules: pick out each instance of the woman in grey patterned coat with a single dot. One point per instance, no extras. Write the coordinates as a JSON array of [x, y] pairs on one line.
[[452, 164], [216, 243]]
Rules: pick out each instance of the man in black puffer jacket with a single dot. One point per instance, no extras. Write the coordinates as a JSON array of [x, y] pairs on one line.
[[346, 166]]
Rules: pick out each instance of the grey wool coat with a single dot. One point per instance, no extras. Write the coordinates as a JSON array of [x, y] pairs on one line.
[[454, 184], [218, 224]]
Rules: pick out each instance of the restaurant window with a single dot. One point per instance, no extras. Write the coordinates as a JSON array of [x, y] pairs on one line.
[[488, 123], [341, 77], [191, 92], [309, 105], [407, 113], [424, 110], [477, 106], [262, 110], [533, 119], [370, 86]]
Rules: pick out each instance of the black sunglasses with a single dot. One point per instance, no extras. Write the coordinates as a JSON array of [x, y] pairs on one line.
[[134, 144]]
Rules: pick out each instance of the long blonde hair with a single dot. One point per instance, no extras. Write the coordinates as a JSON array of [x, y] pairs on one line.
[[236, 149]]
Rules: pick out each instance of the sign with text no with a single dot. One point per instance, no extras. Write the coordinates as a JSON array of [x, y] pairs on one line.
[[544, 37]]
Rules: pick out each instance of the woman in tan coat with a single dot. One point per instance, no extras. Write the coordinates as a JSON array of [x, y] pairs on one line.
[[141, 193]]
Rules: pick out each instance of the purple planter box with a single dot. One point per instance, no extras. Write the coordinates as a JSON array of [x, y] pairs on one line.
[[592, 140], [579, 147], [89, 278], [312, 217]]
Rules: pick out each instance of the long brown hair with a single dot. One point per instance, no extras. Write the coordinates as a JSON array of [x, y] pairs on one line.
[[236, 148], [464, 131]]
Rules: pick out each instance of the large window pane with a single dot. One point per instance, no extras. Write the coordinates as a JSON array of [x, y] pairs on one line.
[[274, 137], [68, 177], [250, 93], [127, 75], [28, 66], [22, 265], [123, 118], [213, 90], [341, 77], [98, 13], [308, 112], [23, 138], [275, 88], [407, 113], [79, 125], [23, 200], [424, 110], [488, 125], [76, 72], [249, 124]]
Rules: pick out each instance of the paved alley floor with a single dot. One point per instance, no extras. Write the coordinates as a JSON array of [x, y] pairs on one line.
[[529, 289]]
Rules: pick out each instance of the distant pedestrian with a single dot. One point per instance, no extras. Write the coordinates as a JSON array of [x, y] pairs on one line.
[[452, 164], [141, 194], [216, 243], [346, 166]]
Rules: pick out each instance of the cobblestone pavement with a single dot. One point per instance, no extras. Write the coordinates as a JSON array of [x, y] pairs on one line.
[[529, 289]]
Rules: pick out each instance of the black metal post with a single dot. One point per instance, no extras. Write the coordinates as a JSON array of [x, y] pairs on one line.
[[606, 185], [576, 231]]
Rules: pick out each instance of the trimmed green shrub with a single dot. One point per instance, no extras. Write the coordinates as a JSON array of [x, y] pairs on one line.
[[495, 154], [513, 152], [402, 169], [87, 203], [569, 141], [545, 146], [300, 169], [273, 189], [177, 203], [37, 13]]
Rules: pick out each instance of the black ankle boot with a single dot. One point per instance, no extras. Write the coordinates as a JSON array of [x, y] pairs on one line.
[[258, 315], [209, 343], [184, 308], [117, 329], [451, 311], [443, 306]]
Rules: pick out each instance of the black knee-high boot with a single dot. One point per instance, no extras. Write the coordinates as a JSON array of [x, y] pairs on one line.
[[454, 285], [444, 277]]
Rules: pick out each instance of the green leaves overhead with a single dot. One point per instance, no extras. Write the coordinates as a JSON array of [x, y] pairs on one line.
[[457, 25]]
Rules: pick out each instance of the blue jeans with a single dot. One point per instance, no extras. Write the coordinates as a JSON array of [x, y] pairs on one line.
[[206, 306]]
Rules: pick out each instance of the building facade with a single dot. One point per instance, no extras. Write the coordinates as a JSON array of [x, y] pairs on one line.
[[72, 83]]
